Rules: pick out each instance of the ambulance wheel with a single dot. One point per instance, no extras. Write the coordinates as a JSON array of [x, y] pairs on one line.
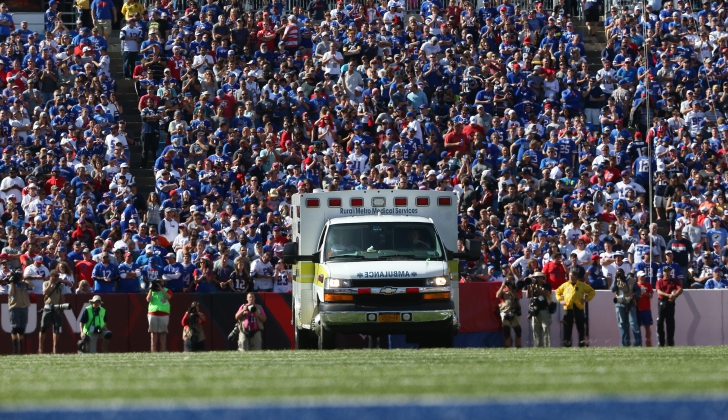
[[326, 339], [302, 338]]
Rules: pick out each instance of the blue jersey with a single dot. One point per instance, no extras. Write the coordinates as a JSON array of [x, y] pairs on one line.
[[130, 284], [566, 149], [109, 271]]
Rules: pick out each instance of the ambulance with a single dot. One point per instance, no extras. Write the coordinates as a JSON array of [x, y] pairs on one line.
[[375, 262]]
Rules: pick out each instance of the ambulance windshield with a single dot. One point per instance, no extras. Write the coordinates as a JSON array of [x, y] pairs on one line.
[[383, 241]]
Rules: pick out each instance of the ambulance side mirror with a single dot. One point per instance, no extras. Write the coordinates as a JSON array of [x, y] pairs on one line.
[[472, 251], [290, 254]]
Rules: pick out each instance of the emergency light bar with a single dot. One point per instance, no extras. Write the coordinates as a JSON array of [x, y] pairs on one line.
[[376, 202]]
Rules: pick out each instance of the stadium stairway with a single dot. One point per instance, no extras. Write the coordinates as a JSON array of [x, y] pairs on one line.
[[128, 99], [593, 45]]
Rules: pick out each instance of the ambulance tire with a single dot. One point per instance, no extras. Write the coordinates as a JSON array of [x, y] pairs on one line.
[[326, 340], [303, 339]]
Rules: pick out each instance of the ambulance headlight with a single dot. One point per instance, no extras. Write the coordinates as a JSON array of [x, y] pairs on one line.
[[332, 283], [439, 281]]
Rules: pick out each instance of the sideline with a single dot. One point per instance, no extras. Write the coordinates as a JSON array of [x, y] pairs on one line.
[[596, 408]]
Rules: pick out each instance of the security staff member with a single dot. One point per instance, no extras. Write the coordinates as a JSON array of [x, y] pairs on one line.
[[93, 326], [668, 289], [573, 295], [18, 304]]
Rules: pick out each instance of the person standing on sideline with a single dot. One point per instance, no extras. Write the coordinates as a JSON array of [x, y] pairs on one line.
[[130, 35], [250, 318], [158, 315], [93, 327], [644, 312], [18, 304], [574, 295], [668, 289], [627, 293], [540, 293]]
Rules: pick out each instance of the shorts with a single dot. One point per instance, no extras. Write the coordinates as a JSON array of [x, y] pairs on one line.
[[592, 14], [51, 318], [645, 317], [18, 320], [514, 322], [660, 202], [158, 324], [104, 26]]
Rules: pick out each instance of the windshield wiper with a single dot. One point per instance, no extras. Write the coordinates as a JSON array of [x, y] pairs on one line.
[[400, 256], [348, 256]]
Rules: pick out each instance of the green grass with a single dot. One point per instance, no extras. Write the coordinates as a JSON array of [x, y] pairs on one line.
[[362, 375]]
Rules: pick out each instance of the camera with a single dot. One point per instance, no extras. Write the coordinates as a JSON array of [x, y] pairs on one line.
[[621, 300], [233, 336], [14, 277], [252, 309], [63, 307], [155, 286]]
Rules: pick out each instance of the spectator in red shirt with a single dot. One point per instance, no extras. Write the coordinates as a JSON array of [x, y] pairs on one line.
[[456, 141], [555, 271], [227, 102], [85, 268], [668, 289], [278, 237]]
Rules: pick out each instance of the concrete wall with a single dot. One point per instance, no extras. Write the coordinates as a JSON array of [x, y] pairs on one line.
[[700, 320], [34, 19]]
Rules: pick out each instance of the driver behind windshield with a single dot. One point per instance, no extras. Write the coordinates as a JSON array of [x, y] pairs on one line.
[[415, 241], [340, 243]]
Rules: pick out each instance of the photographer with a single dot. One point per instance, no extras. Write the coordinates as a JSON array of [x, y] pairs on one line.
[[540, 309], [52, 315], [93, 326], [510, 310], [625, 302], [158, 310], [18, 304], [250, 317], [193, 333], [574, 295]]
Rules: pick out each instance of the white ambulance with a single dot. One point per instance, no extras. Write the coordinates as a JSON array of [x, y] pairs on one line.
[[375, 262]]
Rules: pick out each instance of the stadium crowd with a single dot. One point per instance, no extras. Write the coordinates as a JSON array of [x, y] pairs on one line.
[[557, 167]]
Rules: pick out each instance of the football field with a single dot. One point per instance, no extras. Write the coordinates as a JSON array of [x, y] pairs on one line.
[[361, 376]]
